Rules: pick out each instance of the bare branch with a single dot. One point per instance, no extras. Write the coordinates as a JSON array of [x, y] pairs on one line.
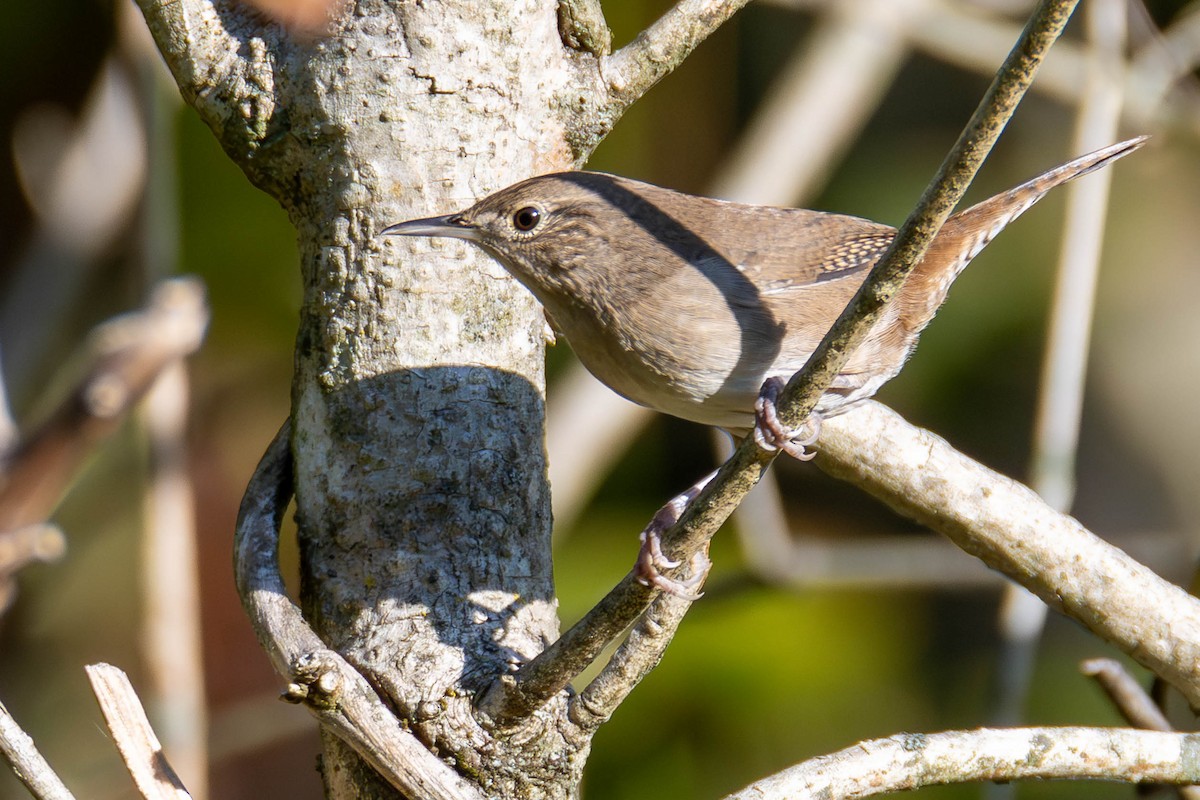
[[336, 694], [965, 35], [30, 767], [1126, 694], [551, 670], [1133, 702], [1011, 529], [1060, 406], [39, 542], [511, 697], [220, 62], [127, 354], [910, 761], [1159, 65], [632, 662], [170, 582], [133, 735], [631, 71], [171, 637]]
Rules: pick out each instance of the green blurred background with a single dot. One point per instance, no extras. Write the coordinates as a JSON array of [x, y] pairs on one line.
[[760, 676]]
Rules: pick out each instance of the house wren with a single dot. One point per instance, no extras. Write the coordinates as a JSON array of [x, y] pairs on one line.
[[689, 305]]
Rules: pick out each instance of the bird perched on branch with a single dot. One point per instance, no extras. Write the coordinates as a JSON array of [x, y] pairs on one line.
[[691, 306]]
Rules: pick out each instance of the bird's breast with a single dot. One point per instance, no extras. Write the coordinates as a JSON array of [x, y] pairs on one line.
[[686, 347]]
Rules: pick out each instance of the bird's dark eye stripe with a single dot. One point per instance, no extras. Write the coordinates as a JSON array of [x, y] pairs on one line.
[[526, 219]]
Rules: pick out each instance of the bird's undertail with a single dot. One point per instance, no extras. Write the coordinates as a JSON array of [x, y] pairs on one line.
[[969, 231]]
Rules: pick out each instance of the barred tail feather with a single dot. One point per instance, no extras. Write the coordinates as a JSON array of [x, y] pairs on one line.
[[966, 233]]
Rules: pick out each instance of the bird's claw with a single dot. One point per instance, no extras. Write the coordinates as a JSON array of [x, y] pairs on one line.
[[770, 434], [652, 561]]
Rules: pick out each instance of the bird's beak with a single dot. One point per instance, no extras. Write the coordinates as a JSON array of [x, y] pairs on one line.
[[453, 225]]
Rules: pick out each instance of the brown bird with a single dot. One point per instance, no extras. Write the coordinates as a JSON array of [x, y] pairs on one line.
[[702, 308], [688, 305]]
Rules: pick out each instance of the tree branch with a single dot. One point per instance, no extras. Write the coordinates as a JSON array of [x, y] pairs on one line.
[[37, 542], [135, 739], [1011, 529], [1059, 407], [910, 761], [27, 763], [511, 697], [633, 660], [1126, 694], [1133, 702], [551, 670], [336, 694]]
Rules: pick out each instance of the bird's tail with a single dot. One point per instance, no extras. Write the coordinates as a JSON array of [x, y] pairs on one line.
[[969, 231]]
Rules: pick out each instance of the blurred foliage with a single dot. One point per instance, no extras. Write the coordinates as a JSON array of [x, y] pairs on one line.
[[758, 677]]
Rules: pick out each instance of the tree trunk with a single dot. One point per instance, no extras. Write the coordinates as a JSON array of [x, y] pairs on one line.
[[418, 395]]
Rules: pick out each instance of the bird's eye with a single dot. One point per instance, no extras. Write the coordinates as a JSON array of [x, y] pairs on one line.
[[527, 218]]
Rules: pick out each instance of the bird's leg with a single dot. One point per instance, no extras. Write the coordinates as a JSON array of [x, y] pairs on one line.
[[651, 559], [769, 432]]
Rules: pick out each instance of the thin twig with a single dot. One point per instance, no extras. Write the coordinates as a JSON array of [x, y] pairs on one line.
[[336, 694], [910, 761], [633, 661], [39, 542], [171, 636], [973, 39], [1126, 694], [27, 763], [1056, 435], [1157, 67], [134, 737], [1133, 702], [550, 671], [520, 693]]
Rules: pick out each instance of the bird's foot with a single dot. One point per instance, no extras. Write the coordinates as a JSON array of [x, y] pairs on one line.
[[651, 560], [770, 434]]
